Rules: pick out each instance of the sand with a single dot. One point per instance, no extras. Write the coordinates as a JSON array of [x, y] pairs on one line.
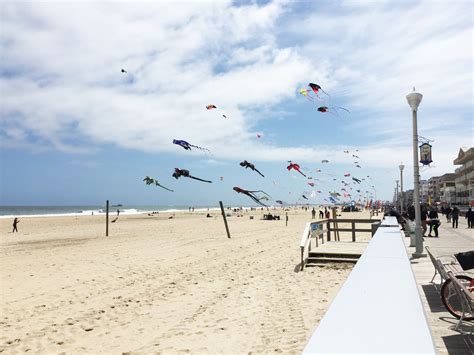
[[160, 285]]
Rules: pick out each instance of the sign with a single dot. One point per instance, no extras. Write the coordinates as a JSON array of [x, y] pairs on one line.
[[425, 154]]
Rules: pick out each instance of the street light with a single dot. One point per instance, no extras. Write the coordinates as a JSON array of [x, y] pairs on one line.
[[414, 100], [396, 194], [401, 166]]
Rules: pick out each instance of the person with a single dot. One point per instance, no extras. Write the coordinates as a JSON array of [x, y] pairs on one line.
[[470, 218], [321, 214], [15, 224], [424, 216], [327, 214], [118, 212], [313, 213], [433, 222], [411, 213], [455, 216], [448, 213]]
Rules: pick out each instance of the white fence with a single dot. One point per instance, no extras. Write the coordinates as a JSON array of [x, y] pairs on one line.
[[378, 309]]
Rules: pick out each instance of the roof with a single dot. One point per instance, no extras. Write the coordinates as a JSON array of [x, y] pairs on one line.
[[464, 156]]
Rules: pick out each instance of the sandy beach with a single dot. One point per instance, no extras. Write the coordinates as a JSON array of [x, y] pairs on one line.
[[161, 285]]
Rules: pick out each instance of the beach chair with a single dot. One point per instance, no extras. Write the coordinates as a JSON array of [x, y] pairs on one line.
[[466, 299]]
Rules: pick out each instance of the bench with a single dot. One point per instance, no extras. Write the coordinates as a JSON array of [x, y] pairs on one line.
[[443, 267]]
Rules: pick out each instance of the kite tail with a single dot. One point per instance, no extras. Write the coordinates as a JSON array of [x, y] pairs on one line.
[[301, 173], [257, 201], [259, 173], [165, 188], [195, 178], [201, 148], [325, 92]]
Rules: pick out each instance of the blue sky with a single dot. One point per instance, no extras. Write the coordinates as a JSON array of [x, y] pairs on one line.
[[75, 130]]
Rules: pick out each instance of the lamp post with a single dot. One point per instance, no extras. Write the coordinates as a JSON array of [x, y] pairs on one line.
[[401, 166], [414, 100], [396, 194]]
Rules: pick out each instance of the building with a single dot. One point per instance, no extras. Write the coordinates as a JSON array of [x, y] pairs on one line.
[[434, 189], [465, 177], [423, 191], [447, 189]]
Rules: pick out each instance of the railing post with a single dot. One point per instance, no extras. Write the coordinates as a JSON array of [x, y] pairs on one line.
[[329, 230], [353, 232], [302, 258]]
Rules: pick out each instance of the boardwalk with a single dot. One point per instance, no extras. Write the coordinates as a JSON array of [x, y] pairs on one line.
[[442, 324]]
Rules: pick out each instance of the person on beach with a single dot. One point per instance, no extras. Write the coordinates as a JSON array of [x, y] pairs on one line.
[[455, 216], [313, 214], [15, 223], [470, 218], [118, 212]]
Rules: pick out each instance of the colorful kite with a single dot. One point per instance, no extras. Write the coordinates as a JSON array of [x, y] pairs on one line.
[[252, 194], [295, 167], [246, 165], [305, 93], [212, 107], [333, 109], [311, 183], [316, 88], [182, 172], [150, 181], [347, 174], [187, 146]]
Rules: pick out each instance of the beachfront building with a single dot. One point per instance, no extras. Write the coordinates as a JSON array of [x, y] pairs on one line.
[[447, 189], [434, 189], [465, 177], [423, 191]]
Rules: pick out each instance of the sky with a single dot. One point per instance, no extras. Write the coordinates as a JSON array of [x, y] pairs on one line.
[[74, 129]]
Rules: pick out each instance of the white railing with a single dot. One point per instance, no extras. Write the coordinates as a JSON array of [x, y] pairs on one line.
[[378, 309], [305, 243]]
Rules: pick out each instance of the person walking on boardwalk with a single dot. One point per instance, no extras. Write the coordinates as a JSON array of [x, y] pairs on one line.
[[321, 214], [470, 218], [433, 222], [313, 214], [448, 213], [424, 216], [15, 224], [455, 216]]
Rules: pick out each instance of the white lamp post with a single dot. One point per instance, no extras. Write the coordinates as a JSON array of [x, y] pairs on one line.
[[414, 100], [401, 166], [396, 194]]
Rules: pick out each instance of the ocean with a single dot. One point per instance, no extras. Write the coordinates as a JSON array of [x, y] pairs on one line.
[[84, 210]]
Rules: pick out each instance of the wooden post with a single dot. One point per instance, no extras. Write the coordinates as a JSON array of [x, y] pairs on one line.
[[353, 232], [107, 218], [336, 226], [328, 225], [286, 225], [225, 220]]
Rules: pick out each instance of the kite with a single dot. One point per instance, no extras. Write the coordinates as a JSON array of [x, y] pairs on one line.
[[295, 167], [259, 135], [346, 151], [279, 202], [149, 181], [246, 165], [252, 194], [187, 146], [305, 93], [211, 107], [356, 180], [355, 156], [316, 88], [347, 174], [358, 191], [123, 70], [318, 170], [311, 183], [182, 172], [358, 166], [221, 178], [324, 161], [332, 200], [318, 191], [333, 109], [304, 197]]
